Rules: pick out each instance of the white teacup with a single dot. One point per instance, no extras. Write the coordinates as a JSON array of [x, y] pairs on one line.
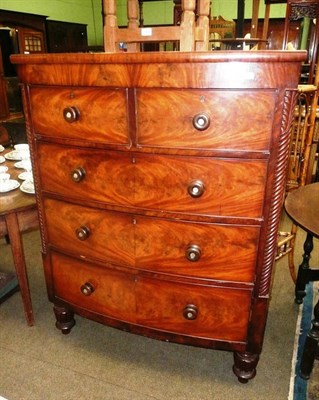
[[4, 179], [3, 169], [21, 147], [23, 151]]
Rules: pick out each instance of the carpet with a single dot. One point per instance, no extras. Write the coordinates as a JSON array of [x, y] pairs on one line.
[[301, 389]]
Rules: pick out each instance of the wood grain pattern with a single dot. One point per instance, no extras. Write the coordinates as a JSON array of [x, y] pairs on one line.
[[114, 290], [153, 244], [227, 70], [165, 118], [102, 114], [232, 187], [223, 312]]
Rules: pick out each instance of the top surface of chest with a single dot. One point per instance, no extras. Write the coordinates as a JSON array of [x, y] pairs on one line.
[[268, 69]]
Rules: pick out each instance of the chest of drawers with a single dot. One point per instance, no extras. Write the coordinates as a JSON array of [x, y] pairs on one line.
[[159, 181]]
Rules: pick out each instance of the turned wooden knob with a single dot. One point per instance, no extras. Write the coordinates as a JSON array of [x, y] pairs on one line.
[[82, 233], [87, 289], [78, 174], [71, 114], [196, 188], [193, 252], [190, 312], [201, 121]]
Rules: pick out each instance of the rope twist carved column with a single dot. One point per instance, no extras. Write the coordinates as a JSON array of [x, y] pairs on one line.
[[278, 191]]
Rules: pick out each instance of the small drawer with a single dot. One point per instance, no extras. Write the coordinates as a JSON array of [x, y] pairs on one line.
[[197, 185], [94, 115], [172, 247], [208, 312], [205, 119]]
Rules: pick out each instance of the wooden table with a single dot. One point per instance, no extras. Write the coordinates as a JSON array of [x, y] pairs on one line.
[[302, 205], [18, 214]]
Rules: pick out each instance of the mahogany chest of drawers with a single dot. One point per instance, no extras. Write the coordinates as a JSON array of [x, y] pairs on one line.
[[159, 181]]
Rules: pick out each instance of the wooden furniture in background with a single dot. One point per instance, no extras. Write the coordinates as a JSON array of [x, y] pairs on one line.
[[224, 28], [19, 214], [303, 158], [302, 206], [20, 33], [192, 34], [29, 34], [169, 189], [308, 10], [66, 37]]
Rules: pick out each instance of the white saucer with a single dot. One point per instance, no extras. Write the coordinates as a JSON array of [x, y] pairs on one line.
[[13, 156], [2, 159], [10, 185], [1, 148], [27, 187], [21, 164], [24, 176]]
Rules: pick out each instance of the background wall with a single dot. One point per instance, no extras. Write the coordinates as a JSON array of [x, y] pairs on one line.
[[90, 12], [82, 11]]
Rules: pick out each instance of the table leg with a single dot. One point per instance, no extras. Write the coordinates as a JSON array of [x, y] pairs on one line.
[[19, 263], [303, 271], [311, 347]]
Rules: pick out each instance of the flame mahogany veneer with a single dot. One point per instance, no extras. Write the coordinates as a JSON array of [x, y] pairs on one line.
[[159, 181]]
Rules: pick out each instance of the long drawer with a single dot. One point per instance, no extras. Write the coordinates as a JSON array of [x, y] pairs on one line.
[[188, 309], [205, 119], [90, 114], [178, 248], [197, 185]]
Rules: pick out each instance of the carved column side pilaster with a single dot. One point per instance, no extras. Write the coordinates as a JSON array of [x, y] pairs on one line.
[[27, 116], [277, 191]]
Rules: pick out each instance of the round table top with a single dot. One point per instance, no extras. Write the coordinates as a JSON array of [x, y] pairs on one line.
[[302, 205]]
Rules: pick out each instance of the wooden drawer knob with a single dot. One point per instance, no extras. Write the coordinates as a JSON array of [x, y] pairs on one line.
[[82, 233], [78, 174], [71, 114], [196, 188], [201, 121], [190, 312], [87, 289], [193, 252]]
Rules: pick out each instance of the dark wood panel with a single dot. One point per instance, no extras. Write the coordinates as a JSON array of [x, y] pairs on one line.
[[66, 37]]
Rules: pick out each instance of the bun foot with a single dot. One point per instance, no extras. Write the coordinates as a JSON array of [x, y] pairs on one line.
[[245, 366], [64, 319]]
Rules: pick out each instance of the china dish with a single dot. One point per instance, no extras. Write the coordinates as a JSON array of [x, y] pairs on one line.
[[27, 187], [21, 164], [2, 159], [24, 176], [9, 185], [13, 156], [1, 148]]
